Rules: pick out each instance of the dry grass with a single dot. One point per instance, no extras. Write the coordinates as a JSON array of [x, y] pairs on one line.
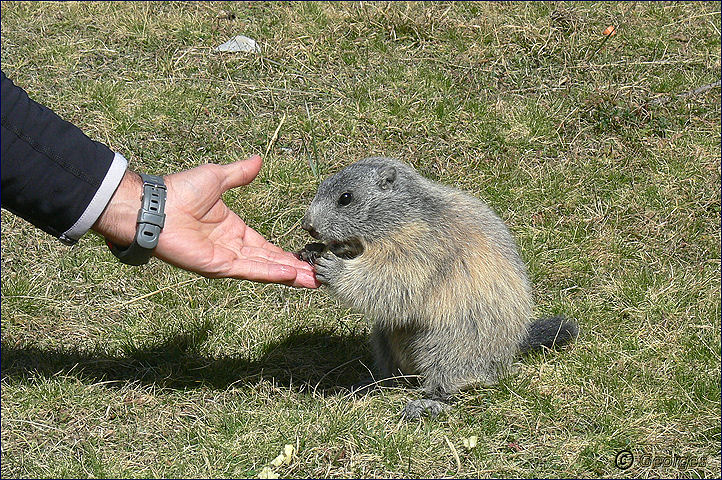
[[608, 176]]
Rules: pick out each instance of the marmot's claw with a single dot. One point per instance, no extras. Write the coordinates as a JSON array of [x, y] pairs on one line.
[[416, 409], [311, 252]]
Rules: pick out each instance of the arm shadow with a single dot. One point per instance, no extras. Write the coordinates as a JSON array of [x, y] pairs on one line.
[[322, 361]]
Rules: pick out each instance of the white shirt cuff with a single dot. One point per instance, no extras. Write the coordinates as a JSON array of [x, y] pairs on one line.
[[100, 200]]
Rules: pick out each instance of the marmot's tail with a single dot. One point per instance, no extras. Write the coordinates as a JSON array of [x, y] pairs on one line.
[[550, 333]]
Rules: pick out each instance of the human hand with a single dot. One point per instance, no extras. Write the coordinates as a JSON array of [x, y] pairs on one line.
[[201, 234]]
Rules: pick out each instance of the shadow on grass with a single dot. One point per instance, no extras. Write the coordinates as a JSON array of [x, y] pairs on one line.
[[326, 362]]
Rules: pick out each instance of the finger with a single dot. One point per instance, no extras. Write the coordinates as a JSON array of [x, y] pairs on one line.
[[280, 257], [306, 280], [253, 238], [305, 275], [256, 258], [241, 172], [260, 271]]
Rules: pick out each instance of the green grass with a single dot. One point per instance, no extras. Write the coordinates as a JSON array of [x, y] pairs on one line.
[[613, 195]]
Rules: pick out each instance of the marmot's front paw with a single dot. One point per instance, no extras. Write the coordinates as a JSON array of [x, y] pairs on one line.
[[328, 268]]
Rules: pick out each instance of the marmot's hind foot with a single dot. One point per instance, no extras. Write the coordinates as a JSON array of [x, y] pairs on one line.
[[416, 409]]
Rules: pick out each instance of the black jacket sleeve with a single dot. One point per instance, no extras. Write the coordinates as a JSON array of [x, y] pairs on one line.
[[52, 174]]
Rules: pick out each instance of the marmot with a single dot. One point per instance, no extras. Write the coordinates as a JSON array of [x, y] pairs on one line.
[[435, 269]]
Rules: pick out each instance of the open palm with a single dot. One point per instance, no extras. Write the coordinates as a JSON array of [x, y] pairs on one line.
[[203, 235]]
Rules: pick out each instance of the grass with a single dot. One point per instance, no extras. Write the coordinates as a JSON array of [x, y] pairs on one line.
[[608, 176]]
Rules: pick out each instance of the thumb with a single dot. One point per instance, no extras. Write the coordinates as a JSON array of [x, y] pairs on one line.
[[241, 172]]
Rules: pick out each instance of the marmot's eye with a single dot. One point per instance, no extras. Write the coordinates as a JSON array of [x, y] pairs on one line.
[[345, 199]]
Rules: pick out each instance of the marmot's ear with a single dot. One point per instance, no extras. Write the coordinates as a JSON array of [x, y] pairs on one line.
[[387, 176]]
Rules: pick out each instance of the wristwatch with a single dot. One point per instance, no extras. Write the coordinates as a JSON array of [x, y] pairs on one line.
[[151, 218]]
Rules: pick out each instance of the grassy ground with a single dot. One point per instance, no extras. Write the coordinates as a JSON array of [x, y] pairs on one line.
[[607, 174]]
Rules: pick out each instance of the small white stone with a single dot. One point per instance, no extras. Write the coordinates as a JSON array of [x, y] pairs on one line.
[[239, 43]]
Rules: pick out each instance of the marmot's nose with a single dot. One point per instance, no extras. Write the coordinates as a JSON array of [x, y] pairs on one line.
[[306, 225]]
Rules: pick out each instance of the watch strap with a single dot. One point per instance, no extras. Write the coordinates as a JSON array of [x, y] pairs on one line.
[[150, 222]]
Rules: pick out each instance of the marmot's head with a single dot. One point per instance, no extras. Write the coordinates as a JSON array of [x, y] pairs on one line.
[[364, 201]]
